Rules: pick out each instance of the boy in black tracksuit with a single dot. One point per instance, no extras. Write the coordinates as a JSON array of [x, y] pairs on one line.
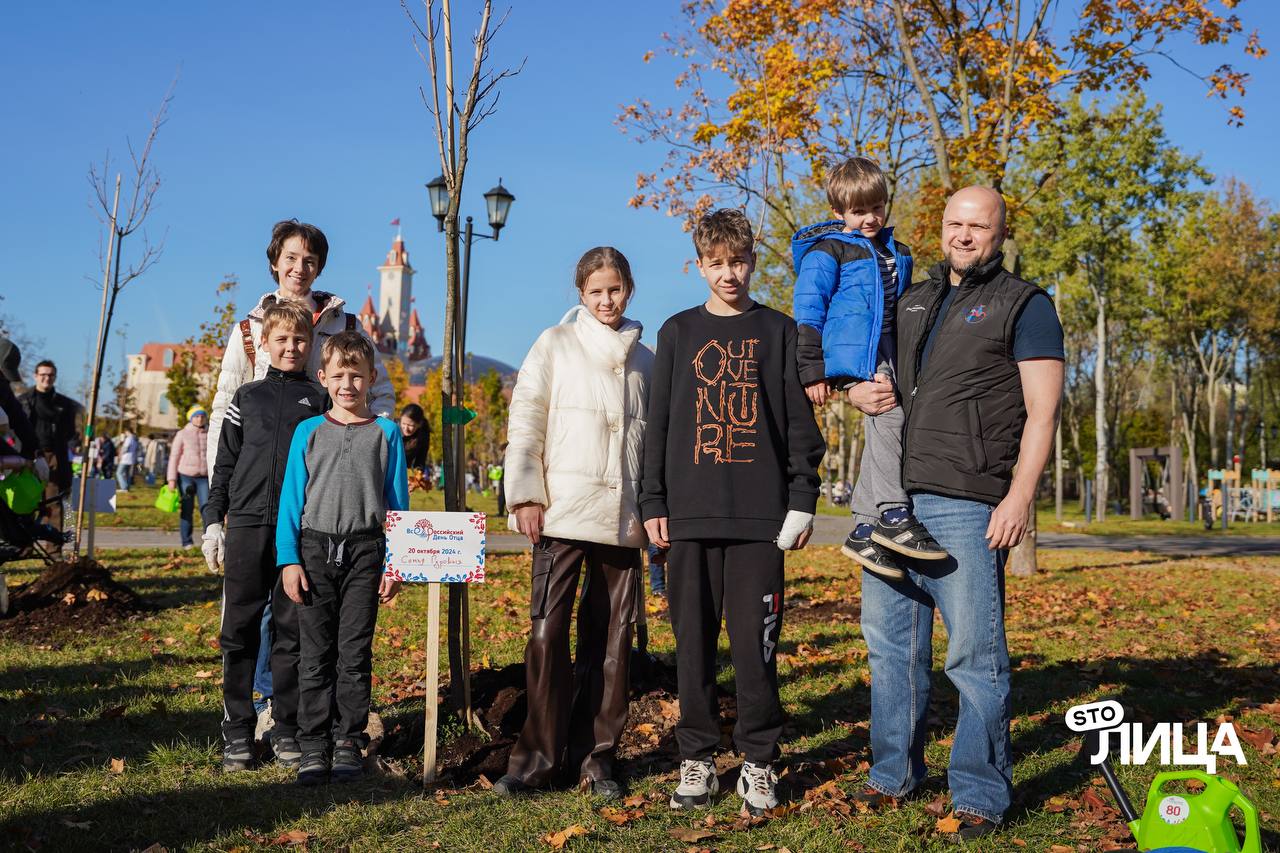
[[729, 482], [245, 489]]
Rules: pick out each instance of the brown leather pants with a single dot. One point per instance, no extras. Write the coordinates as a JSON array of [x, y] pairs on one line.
[[576, 717]]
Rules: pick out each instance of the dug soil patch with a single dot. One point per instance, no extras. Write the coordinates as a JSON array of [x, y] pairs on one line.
[[498, 699], [69, 598]]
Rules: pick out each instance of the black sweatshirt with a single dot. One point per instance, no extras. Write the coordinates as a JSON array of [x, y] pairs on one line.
[[253, 446], [731, 443]]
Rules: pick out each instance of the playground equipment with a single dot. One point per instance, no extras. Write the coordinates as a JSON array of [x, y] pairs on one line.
[[1256, 500], [1266, 493], [1165, 494]]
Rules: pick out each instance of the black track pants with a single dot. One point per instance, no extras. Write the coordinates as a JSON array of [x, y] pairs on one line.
[[250, 580], [336, 628], [743, 582]]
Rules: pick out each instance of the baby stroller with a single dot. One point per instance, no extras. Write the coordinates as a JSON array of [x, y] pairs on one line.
[[26, 537]]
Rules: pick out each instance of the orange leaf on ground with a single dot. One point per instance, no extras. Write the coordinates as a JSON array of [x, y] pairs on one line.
[[117, 766], [948, 824], [689, 834], [292, 838], [557, 840]]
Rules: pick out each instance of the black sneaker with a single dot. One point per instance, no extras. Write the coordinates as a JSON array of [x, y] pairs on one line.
[[237, 755], [287, 750], [910, 538], [510, 786], [348, 762], [872, 557], [606, 789], [313, 769], [873, 799], [972, 826]]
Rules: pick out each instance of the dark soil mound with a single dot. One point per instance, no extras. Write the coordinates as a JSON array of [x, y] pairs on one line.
[[498, 698], [69, 598]]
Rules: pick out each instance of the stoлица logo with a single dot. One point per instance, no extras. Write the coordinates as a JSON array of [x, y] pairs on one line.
[[1107, 719]]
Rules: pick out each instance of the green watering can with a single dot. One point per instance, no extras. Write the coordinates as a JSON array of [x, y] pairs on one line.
[[1186, 822]]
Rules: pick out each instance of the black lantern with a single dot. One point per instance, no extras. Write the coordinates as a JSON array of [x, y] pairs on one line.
[[499, 203], [438, 190]]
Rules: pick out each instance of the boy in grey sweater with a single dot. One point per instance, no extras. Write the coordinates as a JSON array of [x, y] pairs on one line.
[[346, 469]]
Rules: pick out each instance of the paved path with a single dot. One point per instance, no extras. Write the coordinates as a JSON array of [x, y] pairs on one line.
[[831, 530]]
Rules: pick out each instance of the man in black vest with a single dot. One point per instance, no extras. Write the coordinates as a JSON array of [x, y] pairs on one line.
[[53, 417], [980, 368]]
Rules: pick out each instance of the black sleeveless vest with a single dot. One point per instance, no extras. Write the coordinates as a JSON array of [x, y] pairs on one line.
[[964, 410]]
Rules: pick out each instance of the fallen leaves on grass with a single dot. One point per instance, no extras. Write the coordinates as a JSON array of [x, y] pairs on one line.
[[690, 834], [948, 824], [292, 838], [557, 840], [117, 766], [204, 673]]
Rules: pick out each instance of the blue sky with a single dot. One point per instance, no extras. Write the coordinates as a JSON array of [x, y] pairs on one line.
[[316, 114]]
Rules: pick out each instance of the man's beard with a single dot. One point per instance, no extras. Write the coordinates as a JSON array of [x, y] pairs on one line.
[[964, 270]]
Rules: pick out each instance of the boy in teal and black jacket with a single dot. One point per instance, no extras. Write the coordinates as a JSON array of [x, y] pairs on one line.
[[849, 275], [346, 469]]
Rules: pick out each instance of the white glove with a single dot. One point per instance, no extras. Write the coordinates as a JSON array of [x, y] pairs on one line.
[[41, 468], [213, 544], [793, 527]]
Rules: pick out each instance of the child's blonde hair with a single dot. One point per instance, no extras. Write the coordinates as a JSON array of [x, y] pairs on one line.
[[351, 348], [292, 315], [856, 184]]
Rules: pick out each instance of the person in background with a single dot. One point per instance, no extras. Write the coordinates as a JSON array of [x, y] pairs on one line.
[[189, 468], [106, 457], [53, 417], [130, 451], [416, 433], [155, 460]]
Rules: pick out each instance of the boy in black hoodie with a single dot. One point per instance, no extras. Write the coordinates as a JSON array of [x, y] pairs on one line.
[[253, 448], [729, 482]]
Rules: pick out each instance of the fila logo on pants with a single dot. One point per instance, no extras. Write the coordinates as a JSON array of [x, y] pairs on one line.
[[772, 606]]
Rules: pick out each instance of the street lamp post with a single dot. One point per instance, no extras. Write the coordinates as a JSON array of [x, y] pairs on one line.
[[498, 203]]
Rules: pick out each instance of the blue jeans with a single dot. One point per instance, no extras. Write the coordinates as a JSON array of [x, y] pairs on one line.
[[124, 476], [262, 671], [897, 623], [201, 491], [657, 572]]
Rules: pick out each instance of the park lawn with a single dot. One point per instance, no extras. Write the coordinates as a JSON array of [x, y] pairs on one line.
[[136, 508], [1151, 525], [111, 737]]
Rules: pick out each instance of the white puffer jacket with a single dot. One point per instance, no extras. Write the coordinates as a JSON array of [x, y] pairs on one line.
[[576, 430]]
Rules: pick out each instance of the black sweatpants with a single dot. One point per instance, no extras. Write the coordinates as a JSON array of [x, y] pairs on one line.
[[251, 579], [336, 628], [743, 582]]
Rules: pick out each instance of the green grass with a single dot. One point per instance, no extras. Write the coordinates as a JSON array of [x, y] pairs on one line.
[[1152, 525], [1179, 640]]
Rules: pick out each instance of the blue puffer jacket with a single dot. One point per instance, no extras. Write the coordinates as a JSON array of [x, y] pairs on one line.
[[839, 300]]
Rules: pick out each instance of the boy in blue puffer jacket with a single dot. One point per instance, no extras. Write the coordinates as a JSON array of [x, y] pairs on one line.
[[849, 275]]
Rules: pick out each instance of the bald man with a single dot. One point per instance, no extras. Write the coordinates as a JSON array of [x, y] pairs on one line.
[[980, 367]]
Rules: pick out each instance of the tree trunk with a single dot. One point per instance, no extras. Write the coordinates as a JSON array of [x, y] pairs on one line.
[[1101, 468], [1022, 558]]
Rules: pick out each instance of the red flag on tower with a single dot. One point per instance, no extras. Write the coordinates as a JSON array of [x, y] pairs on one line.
[[396, 221]]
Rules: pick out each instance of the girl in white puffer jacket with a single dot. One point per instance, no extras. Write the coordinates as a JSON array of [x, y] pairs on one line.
[[575, 435]]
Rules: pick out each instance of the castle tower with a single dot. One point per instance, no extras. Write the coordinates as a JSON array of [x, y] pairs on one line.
[[419, 349], [368, 318], [395, 292]]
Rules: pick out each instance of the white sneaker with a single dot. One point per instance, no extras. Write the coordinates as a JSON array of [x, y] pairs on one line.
[[698, 784], [757, 784]]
